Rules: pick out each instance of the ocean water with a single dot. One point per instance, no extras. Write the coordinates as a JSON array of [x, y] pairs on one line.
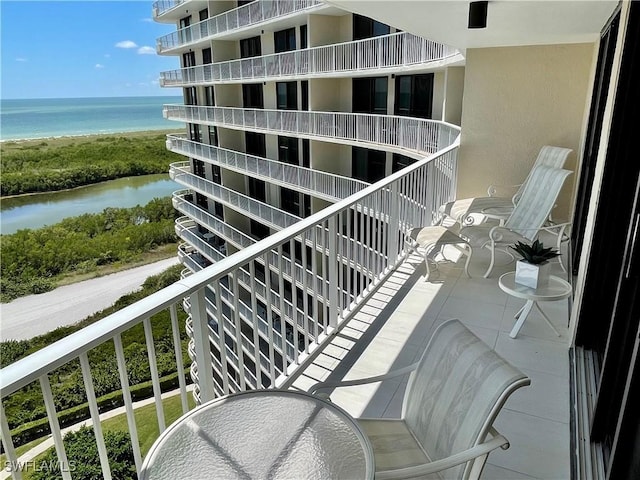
[[56, 117]]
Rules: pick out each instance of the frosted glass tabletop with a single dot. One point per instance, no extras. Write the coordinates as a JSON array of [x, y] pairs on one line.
[[557, 289], [262, 434]]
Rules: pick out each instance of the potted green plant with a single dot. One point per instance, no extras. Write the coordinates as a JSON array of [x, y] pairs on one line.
[[533, 270]]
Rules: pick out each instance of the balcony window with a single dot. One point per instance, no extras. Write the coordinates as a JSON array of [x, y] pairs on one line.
[[258, 230], [257, 189], [195, 134], [250, 47], [198, 168], [185, 35], [304, 87], [213, 137], [203, 14], [285, 40], [370, 95], [306, 200], [255, 144], [306, 155], [206, 56], [290, 201], [400, 162], [288, 150], [201, 201], [209, 97], [190, 96], [252, 95], [287, 95], [189, 59], [414, 95], [364, 27], [303, 36], [368, 165], [218, 210], [216, 174]]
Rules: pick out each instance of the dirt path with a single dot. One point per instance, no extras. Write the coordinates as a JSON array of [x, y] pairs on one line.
[[33, 315]]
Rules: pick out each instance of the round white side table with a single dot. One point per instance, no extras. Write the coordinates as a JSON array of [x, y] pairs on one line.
[[557, 289]]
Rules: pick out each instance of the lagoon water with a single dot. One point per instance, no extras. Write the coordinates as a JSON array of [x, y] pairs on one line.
[[55, 117], [34, 211]]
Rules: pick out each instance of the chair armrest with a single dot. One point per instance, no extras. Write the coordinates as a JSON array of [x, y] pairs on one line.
[[363, 381], [498, 441], [494, 233], [560, 227]]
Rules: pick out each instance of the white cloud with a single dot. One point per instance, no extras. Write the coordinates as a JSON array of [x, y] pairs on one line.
[[99, 66], [107, 55], [147, 20], [143, 84], [20, 59], [126, 44], [146, 50], [155, 82]]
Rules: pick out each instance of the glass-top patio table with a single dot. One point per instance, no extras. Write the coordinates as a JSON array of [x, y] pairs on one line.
[[262, 434]]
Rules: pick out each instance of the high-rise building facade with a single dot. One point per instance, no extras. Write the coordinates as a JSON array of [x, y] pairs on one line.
[[263, 84]]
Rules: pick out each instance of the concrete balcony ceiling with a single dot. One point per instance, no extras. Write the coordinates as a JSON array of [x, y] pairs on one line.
[[509, 22]]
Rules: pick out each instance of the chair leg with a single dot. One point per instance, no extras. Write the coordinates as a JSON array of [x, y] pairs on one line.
[[466, 263], [426, 264], [493, 261]]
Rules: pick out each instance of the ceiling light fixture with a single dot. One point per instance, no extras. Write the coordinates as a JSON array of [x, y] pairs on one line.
[[478, 14]]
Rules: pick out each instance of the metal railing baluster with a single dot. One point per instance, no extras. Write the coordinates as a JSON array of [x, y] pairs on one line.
[[128, 405], [95, 416]]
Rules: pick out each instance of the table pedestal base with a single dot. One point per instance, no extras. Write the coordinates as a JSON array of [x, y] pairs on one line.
[[522, 314]]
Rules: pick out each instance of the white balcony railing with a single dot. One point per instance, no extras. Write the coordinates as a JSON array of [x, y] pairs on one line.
[[312, 182], [415, 137], [402, 52], [384, 211], [161, 7], [249, 15], [272, 216]]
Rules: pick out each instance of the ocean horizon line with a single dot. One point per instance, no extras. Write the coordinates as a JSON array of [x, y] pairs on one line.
[[30, 118], [87, 98], [96, 134]]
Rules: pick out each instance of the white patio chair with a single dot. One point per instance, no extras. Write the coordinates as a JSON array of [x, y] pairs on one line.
[[495, 206], [454, 394], [528, 219]]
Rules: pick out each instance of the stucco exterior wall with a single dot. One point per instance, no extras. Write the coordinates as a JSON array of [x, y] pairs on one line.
[[517, 99]]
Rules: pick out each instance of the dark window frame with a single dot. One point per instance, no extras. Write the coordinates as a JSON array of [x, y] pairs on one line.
[[284, 40]]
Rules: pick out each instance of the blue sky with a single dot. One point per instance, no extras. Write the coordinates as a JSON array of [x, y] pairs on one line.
[[81, 49]]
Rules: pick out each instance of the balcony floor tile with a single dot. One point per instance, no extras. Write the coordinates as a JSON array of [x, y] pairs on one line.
[[391, 330]]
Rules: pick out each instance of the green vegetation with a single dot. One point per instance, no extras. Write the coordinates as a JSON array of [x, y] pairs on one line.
[[84, 462], [34, 260], [147, 428], [59, 164], [25, 408], [147, 422]]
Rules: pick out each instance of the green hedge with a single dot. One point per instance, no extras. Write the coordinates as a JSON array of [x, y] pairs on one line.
[[29, 167], [38, 428]]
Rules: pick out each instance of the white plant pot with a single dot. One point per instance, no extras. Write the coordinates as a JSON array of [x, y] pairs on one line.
[[533, 276]]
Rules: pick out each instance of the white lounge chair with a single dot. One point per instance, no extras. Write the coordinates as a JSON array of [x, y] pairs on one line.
[[501, 207], [453, 396], [528, 218]]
